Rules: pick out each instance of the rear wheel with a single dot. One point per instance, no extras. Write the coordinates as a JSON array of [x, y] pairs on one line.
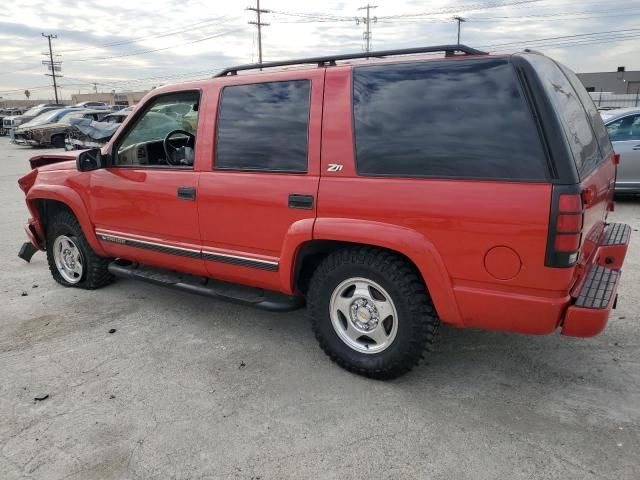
[[371, 312], [57, 141], [72, 261]]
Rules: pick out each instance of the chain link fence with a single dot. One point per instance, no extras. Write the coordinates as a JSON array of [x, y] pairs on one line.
[[604, 100]]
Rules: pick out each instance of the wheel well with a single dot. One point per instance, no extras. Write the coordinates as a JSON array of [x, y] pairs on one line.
[[47, 208], [312, 253], [58, 136]]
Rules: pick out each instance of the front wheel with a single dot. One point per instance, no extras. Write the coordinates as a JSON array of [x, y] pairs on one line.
[[72, 261], [371, 312]]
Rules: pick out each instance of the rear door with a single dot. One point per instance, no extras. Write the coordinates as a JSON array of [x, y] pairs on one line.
[[261, 187], [625, 136]]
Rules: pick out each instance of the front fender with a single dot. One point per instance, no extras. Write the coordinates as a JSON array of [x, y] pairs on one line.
[[72, 200], [406, 241]]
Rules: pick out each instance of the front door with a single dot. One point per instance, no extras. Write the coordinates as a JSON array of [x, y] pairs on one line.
[[261, 188], [144, 204], [625, 136]]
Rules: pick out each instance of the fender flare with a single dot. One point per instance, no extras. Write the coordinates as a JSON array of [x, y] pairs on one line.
[[406, 241], [71, 199]]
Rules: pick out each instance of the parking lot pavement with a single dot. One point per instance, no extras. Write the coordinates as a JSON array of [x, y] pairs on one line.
[[189, 387]]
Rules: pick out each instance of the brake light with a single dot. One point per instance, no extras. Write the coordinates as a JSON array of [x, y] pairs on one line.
[[565, 229]]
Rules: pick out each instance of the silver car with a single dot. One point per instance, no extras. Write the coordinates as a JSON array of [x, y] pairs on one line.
[[623, 126]]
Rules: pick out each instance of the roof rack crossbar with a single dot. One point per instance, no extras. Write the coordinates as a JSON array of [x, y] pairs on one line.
[[450, 50]]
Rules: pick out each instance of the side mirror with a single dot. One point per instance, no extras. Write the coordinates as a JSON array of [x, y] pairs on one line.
[[91, 160]]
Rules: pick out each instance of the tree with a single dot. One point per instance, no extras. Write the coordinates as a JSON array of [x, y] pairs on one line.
[[27, 94]]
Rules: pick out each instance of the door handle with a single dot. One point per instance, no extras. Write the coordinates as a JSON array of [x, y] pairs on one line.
[[187, 193], [637, 147], [304, 202]]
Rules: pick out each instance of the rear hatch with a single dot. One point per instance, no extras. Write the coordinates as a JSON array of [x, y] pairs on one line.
[[584, 167]]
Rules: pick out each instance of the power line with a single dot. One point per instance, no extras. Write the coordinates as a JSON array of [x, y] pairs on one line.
[[184, 28], [259, 24], [142, 52], [318, 16], [564, 37], [466, 8], [561, 14]]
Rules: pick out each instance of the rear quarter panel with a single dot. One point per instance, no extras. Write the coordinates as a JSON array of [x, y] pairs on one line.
[[461, 221]]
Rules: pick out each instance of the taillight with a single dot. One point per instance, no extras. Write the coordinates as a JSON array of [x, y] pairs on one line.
[[565, 228]]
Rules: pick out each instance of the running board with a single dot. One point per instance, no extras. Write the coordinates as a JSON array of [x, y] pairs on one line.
[[255, 297]]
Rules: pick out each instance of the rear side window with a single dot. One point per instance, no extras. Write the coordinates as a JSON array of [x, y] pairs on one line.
[[571, 112], [264, 127], [596, 120], [445, 119]]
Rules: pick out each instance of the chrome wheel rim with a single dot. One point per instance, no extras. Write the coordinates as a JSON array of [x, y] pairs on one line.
[[68, 259], [363, 315]]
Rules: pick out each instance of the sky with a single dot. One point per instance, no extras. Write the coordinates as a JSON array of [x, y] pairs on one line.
[[135, 45]]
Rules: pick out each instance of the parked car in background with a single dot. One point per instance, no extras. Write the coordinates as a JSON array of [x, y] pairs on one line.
[[42, 119], [52, 130], [115, 117], [623, 126], [389, 193], [11, 123], [94, 105], [8, 112], [85, 134]]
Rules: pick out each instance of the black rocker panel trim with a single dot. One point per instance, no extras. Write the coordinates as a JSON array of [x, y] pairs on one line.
[[213, 257]]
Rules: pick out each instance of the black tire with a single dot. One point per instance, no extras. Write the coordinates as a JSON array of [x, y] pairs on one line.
[[57, 141], [95, 273], [417, 322]]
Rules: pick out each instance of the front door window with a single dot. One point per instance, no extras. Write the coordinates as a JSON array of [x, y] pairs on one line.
[[163, 136]]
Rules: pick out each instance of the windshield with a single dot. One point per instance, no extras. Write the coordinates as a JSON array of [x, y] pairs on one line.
[[48, 117], [33, 111], [67, 116]]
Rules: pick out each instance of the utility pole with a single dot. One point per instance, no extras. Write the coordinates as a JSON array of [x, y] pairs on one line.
[[460, 20], [367, 22], [53, 66], [259, 24], [95, 87]]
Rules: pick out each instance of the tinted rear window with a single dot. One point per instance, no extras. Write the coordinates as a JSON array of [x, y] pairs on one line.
[[571, 112], [447, 119]]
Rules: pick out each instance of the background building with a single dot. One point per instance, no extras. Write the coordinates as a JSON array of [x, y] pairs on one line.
[[112, 98], [27, 103], [620, 82]]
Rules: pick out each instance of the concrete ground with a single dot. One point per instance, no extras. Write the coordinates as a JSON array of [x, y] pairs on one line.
[[193, 388]]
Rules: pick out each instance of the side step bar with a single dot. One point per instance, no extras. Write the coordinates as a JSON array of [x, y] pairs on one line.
[[255, 297]]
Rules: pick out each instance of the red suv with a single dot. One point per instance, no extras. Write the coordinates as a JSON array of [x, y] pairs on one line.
[[390, 193]]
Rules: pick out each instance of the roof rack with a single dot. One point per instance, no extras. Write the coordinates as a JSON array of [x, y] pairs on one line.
[[450, 50]]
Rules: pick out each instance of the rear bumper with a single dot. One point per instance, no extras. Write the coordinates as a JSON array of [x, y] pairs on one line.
[[595, 295]]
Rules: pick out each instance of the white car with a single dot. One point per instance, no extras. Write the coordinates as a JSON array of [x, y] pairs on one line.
[[623, 126], [94, 105]]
